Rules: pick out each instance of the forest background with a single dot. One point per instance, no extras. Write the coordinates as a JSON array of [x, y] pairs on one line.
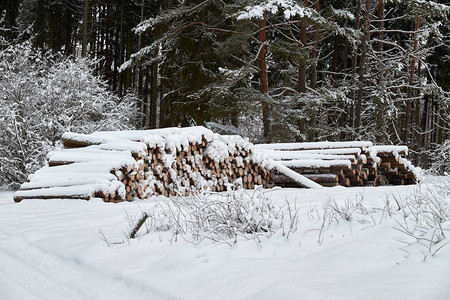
[[271, 70]]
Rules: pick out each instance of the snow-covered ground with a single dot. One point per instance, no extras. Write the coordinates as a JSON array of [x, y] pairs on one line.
[[56, 249]]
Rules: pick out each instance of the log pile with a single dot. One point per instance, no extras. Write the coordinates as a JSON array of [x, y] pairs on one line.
[[357, 163], [394, 166], [129, 165]]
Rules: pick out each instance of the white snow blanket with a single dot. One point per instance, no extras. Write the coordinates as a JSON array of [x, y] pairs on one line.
[[53, 250]]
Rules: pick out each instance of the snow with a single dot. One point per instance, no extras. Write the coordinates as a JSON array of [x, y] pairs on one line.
[[338, 151], [295, 176], [234, 141], [154, 136], [82, 191], [73, 171], [115, 158], [90, 174], [83, 138], [287, 155], [316, 163], [288, 7], [223, 129], [217, 150], [61, 181], [222, 146], [395, 150], [54, 250], [431, 7], [133, 147], [330, 150], [321, 176], [315, 145], [343, 14]]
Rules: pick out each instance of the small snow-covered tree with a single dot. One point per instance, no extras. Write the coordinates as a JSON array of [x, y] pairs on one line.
[[43, 95]]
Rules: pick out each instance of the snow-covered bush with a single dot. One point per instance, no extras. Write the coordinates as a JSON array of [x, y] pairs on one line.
[[42, 95], [441, 158], [222, 217]]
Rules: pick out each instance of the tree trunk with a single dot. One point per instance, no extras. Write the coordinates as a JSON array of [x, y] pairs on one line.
[[380, 34], [379, 118], [121, 43], [344, 119], [346, 54], [354, 63], [101, 35], [140, 91], [423, 121], [140, 75], [84, 32], [146, 79], [162, 112], [262, 47], [406, 125], [107, 53], [68, 38], [40, 23], [301, 85], [116, 58], [93, 39], [313, 83], [335, 60], [51, 32], [417, 107], [362, 65], [154, 94], [442, 124], [128, 55]]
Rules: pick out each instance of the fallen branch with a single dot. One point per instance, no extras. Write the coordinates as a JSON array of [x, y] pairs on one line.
[[138, 226]]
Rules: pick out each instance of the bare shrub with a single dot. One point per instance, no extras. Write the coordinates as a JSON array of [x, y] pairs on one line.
[[351, 210], [222, 217], [426, 219]]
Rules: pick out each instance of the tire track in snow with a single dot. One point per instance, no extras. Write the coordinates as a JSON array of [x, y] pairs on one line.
[[27, 272]]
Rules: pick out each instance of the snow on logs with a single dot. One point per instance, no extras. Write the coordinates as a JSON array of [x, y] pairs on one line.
[[354, 163], [396, 168], [128, 165]]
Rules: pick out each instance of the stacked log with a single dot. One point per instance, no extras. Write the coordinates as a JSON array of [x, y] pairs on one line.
[[357, 163], [130, 165], [395, 167]]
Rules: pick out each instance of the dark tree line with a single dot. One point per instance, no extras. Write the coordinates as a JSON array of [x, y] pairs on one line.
[[292, 70]]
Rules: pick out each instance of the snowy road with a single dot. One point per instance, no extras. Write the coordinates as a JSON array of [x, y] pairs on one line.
[[31, 273], [53, 250], [36, 259]]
